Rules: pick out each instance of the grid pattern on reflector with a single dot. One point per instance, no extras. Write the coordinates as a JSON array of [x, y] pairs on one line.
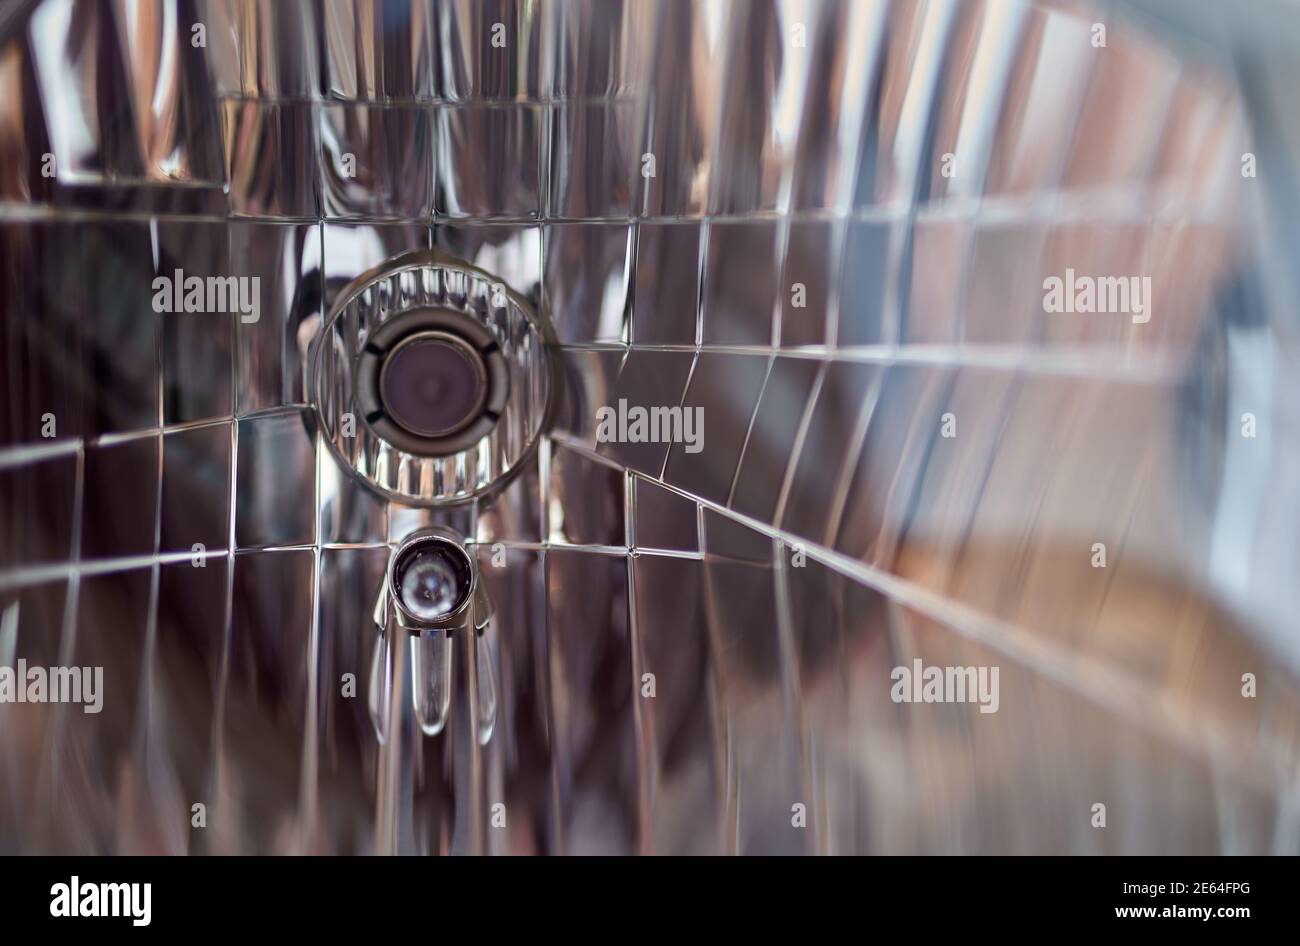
[[799, 259]]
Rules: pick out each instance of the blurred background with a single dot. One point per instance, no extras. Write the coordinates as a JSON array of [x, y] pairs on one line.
[[656, 177]]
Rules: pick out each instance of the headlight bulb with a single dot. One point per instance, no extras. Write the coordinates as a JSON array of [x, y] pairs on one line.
[[431, 579], [431, 592]]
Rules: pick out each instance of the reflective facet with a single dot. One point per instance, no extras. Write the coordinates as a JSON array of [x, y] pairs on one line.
[[431, 653], [830, 229]]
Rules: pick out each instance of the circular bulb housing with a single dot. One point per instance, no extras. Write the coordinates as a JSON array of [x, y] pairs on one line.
[[432, 382]]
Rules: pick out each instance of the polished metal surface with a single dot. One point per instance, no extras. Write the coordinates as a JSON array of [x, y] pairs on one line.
[[825, 225]]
